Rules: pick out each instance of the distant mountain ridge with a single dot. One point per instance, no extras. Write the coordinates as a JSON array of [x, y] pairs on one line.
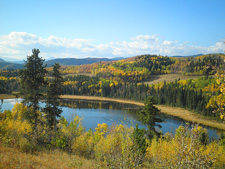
[[75, 61], [5, 65], [2, 60], [8, 65]]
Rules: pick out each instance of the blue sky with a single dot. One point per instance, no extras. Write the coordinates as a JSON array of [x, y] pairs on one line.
[[117, 28]]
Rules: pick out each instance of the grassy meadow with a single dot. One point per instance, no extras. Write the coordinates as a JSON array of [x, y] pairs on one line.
[[58, 159], [168, 78]]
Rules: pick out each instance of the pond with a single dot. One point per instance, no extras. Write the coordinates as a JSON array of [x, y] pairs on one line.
[[94, 112]]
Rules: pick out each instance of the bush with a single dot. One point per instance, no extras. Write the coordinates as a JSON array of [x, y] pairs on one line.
[[187, 150], [28, 146]]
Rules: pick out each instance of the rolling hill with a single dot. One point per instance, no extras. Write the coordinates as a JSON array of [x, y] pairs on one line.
[[1, 60], [8, 65]]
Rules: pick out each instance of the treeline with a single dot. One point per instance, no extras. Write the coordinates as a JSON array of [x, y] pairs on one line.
[[190, 94], [9, 73], [8, 85], [8, 81]]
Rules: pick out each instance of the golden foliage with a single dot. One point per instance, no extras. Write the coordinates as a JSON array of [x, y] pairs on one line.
[[185, 151], [218, 102], [14, 123]]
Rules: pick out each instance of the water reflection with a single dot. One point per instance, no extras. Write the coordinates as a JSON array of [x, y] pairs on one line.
[[98, 105], [94, 112]]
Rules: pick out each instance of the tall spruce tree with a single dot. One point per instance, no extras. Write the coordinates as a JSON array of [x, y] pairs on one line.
[[52, 99], [31, 80], [148, 116]]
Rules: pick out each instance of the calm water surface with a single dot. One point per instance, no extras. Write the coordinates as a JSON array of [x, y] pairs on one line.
[[94, 112]]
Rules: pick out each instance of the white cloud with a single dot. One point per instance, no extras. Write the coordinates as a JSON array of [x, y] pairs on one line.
[[153, 38], [20, 44], [170, 43]]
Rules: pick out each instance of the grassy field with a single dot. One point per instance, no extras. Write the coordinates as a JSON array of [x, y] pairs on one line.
[[173, 111], [168, 78], [190, 116], [13, 158]]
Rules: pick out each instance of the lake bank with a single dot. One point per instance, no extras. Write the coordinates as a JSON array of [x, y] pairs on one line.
[[94, 112], [173, 111]]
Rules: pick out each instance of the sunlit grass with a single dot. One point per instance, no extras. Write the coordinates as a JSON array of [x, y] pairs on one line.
[[190, 116], [13, 158], [155, 79]]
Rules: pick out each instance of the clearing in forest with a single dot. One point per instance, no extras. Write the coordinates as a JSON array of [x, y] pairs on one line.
[[168, 78]]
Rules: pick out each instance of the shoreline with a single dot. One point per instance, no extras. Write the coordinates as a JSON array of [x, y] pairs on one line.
[[173, 111], [77, 97]]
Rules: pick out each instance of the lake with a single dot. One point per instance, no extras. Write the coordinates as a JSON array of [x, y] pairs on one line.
[[94, 112]]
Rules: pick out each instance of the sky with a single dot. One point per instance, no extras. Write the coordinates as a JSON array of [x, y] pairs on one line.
[[111, 28]]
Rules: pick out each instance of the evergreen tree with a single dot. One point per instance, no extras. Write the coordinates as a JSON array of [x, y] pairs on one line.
[[148, 116], [52, 99], [139, 146], [31, 80]]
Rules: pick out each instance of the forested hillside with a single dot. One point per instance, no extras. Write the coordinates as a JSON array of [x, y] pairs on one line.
[[140, 68]]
